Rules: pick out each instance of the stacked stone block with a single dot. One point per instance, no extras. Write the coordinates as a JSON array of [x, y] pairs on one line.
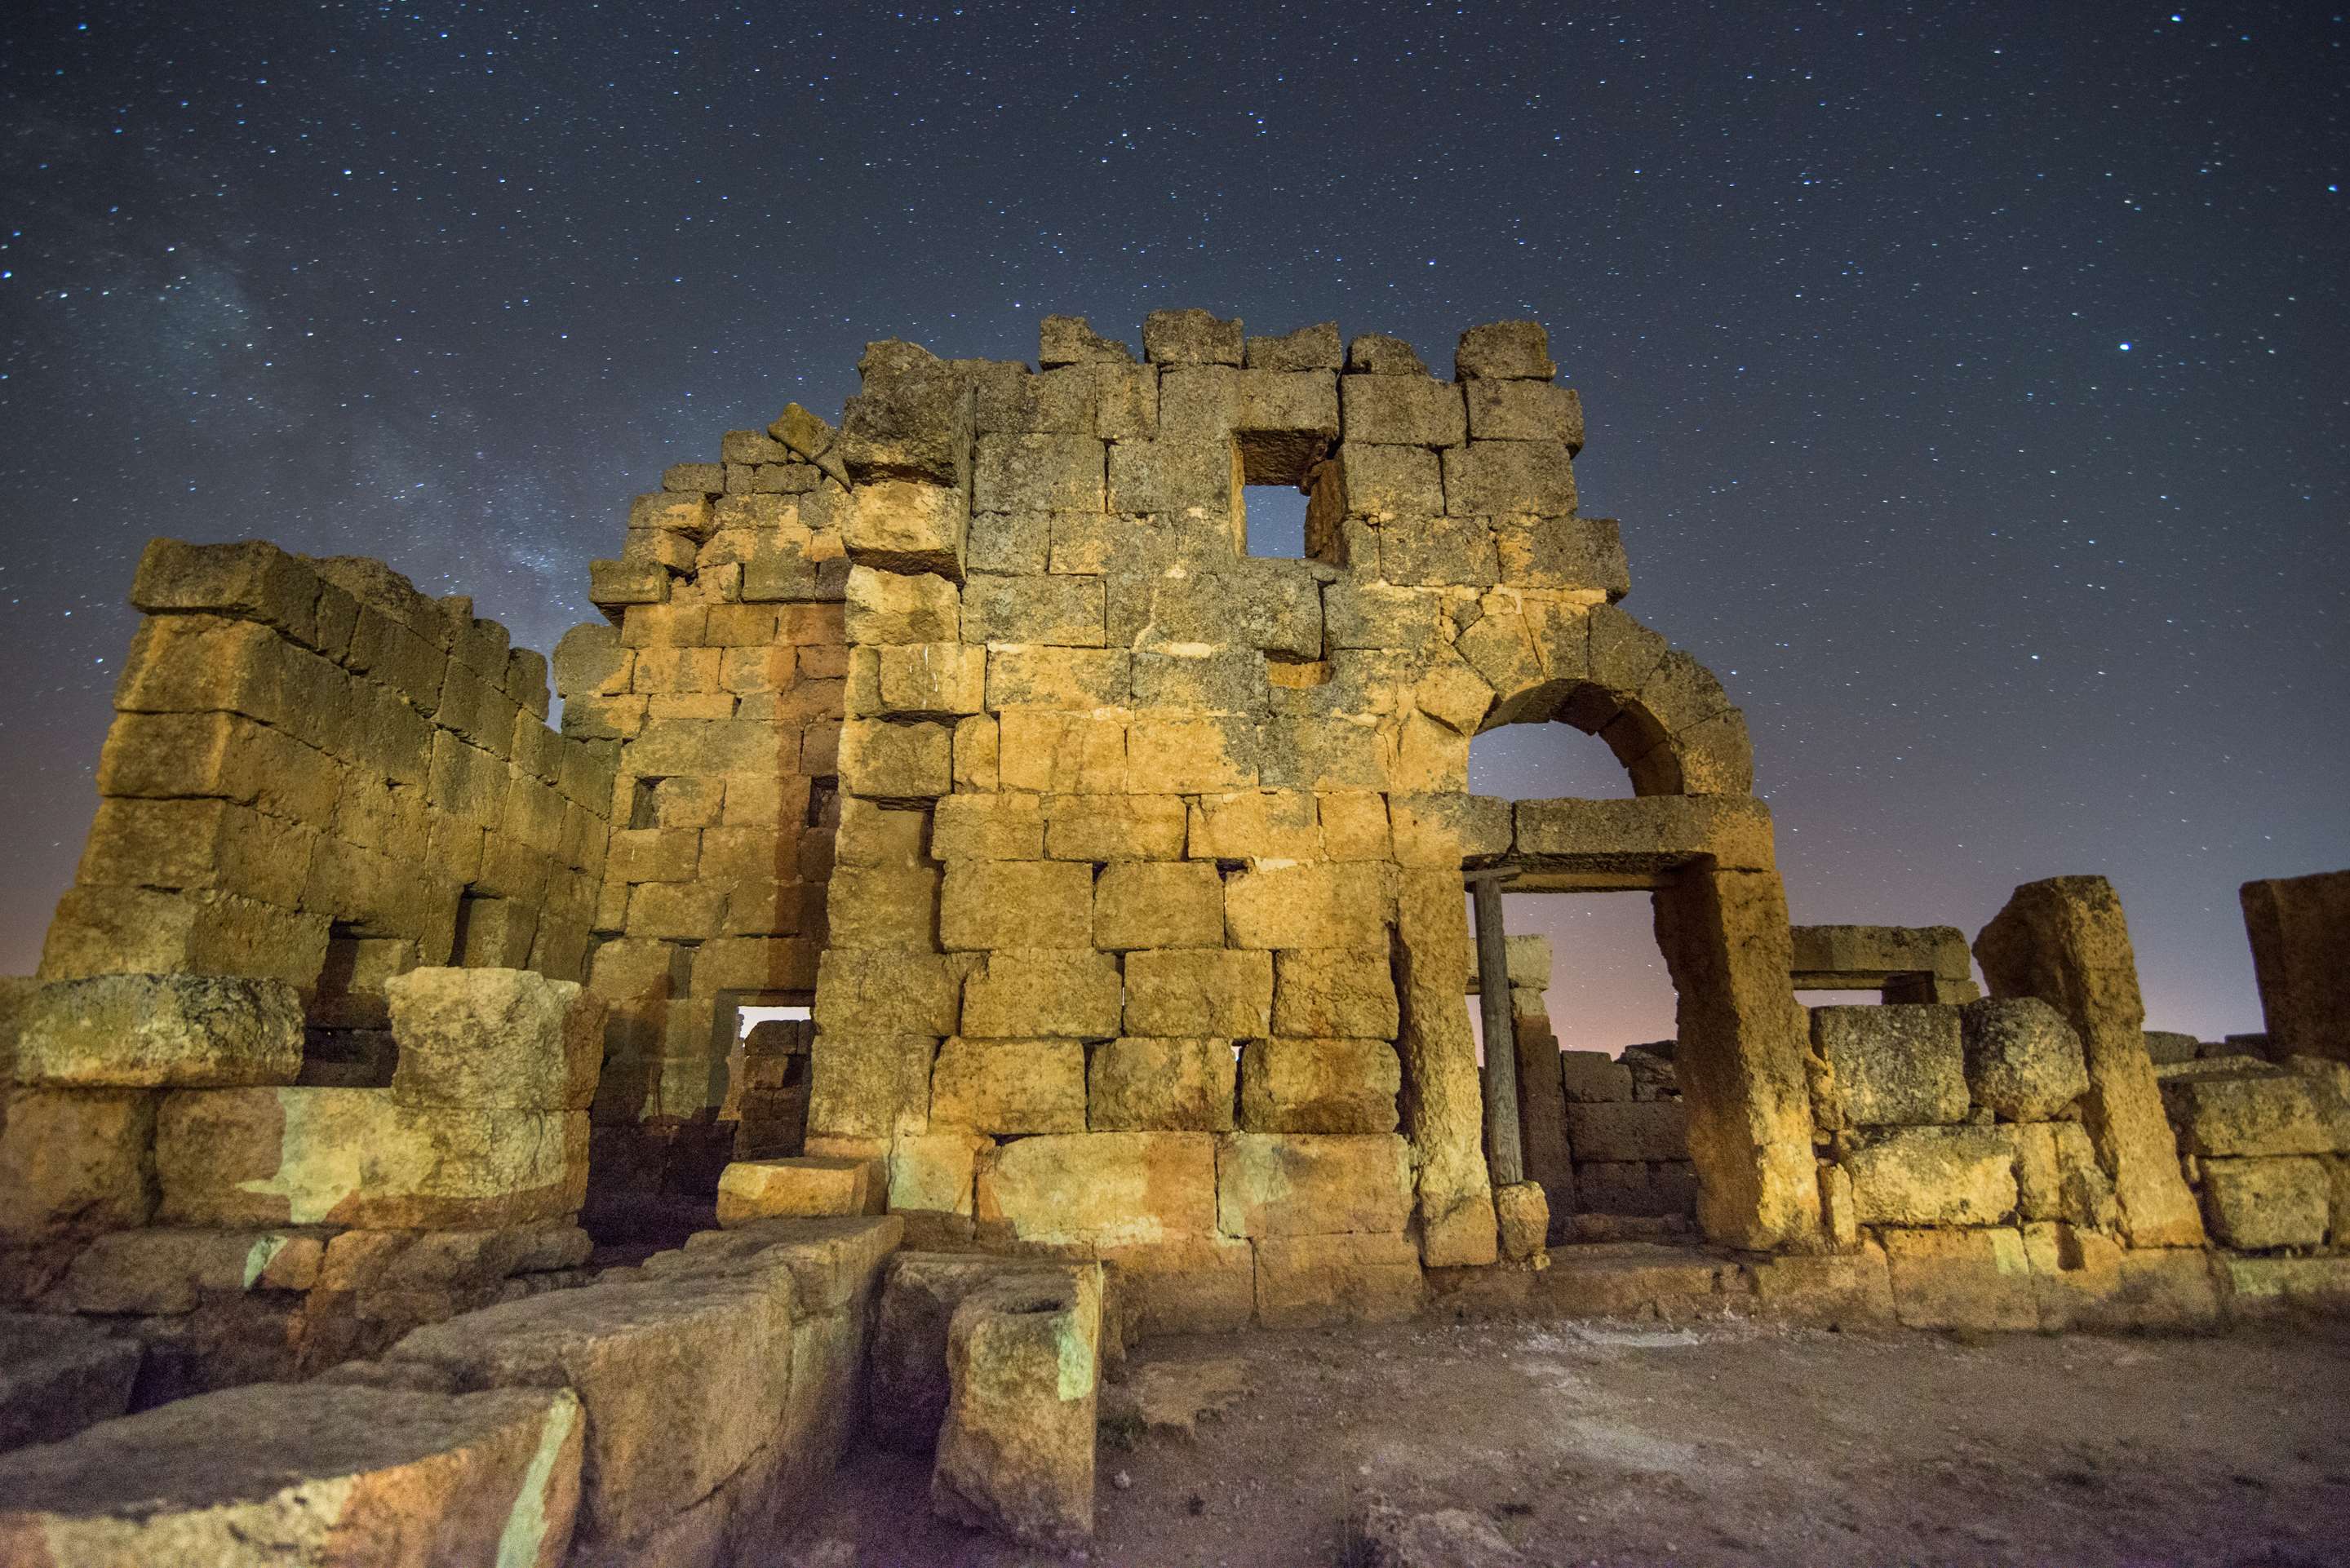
[[244, 1226], [1147, 890], [2266, 1146], [1627, 1131], [720, 676]]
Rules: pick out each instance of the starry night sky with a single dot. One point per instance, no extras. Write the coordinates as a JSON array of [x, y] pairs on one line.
[[1971, 380]]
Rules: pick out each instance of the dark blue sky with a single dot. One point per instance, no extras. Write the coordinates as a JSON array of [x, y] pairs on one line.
[[1970, 379]]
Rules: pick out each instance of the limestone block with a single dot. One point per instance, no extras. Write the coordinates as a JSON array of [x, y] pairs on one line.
[[2273, 1113], [1328, 991], [150, 1031], [992, 904], [1158, 904], [164, 1270], [1832, 1290], [1009, 542], [75, 1162], [1343, 905], [1052, 611], [1403, 410], [1031, 472], [1437, 552], [1254, 825], [2302, 956], [58, 1376], [1193, 755], [1113, 827], [884, 993], [2039, 1186], [2165, 1047], [494, 1037], [2257, 1204], [2023, 1062], [635, 1355], [801, 1187], [896, 761], [1198, 992], [2084, 1192], [932, 678], [1198, 480], [359, 1157], [1892, 1065], [2065, 940], [827, 1262], [1961, 1279], [905, 525], [1315, 348], [1934, 1175], [1071, 340], [1139, 1084], [892, 607], [1006, 1086], [2260, 1285], [1202, 680], [1315, 1282], [1523, 411], [1523, 1211], [314, 1473], [1390, 481], [932, 1173], [1293, 1184], [1016, 1447], [1489, 477], [1517, 349], [1093, 1191], [1191, 338], [975, 754], [1023, 675], [872, 1082], [1048, 752], [1050, 993], [1319, 1085], [920, 1293], [1594, 1077], [1642, 1130]]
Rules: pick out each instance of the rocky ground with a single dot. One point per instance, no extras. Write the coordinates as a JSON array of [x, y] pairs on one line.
[[1723, 1443]]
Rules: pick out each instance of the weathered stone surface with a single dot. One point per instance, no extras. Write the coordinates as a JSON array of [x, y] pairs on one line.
[[1006, 1087], [2065, 942], [994, 904], [920, 1293], [154, 1031], [1523, 1211], [1504, 348], [2258, 1204], [1315, 348], [800, 1187], [58, 1376], [1325, 991], [1071, 340], [1892, 1065], [1831, 1291], [1157, 1085], [1594, 1077], [1341, 905], [358, 1156], [1314, 1281], [2167, 1047], [2266, 1112], [869, 1085], [1934, 1175], [1028, 992], [2023, 1062], [1157, 904], [2300, 932], [636, 1356], [1191, 338], [494, 1037], [1961, 1279], [164, 1270], [1015, 1449], [75, 1162], [316, 1473], [1094, 1192], [1198, 992], [1319, 1085], [1284, 1184], [1652, 1130]]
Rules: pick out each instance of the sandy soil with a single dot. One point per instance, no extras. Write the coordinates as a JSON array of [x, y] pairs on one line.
[[1724, 1443]]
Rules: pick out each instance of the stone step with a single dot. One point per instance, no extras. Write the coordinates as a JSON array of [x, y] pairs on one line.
[[800, 1187]]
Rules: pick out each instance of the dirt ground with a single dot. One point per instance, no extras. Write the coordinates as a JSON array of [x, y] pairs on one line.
[[1724, 1443]]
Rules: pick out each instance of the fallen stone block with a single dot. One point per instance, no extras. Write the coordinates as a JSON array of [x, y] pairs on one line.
[[167, 1271], [271, 1474], [494, 1037], [1312, 1281], [159, 1030], [58, 1376], [920, 1294], [681, 1381], [833, 1263], [1016, 1450], [799, 1187]]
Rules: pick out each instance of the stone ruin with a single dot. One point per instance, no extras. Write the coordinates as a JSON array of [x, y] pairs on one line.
[[385, 1101]]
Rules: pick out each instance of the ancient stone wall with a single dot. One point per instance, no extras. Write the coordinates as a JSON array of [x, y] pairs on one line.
[[1120, 799], [720, 675], [2299, 927]]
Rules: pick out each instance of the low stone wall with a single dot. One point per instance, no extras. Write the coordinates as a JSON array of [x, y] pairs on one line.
[[2266, 1146], [235, 1226], [676, 1413]]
